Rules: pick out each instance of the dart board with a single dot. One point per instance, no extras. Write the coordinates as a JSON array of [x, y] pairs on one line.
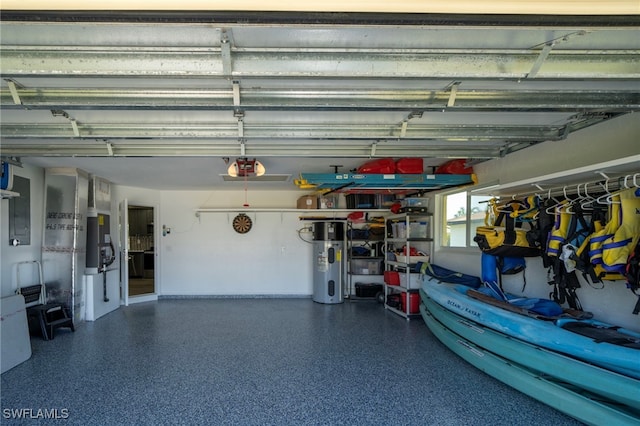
[[242, 223]]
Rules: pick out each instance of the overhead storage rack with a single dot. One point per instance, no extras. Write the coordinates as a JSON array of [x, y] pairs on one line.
[[352, 183]]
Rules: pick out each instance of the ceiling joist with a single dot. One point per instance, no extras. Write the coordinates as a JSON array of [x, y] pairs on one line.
[[125, 61], [231, 149], [329, 131], [309, 86], [324, 99]]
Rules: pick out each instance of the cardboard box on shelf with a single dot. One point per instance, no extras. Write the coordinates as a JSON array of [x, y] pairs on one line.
[[308, 202]]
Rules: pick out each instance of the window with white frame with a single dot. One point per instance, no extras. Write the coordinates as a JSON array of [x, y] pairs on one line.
[[463, 213]]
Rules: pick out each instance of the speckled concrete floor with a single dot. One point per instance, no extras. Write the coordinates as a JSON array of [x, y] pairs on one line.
[[258, 362]]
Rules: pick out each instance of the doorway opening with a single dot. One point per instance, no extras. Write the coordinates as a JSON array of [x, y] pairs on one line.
[[141, 251]]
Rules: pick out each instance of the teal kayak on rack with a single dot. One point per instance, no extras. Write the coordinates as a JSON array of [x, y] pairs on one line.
[[614, 348], [570, 400], [600, 381]]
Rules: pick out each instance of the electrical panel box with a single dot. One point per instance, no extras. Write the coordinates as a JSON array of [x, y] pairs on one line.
[[100, 248]]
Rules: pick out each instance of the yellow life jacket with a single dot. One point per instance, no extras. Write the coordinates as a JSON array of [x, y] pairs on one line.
[[560, 231], [528, 209], [503, 235], [599, 237], [617, 247]]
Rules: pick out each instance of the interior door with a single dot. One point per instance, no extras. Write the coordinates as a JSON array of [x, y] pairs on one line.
[[123, 231]]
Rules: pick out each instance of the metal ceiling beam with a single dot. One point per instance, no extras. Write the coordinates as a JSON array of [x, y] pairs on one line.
[[147, 61], [245, 17], [321, 99], [97, 149], [324, 131]]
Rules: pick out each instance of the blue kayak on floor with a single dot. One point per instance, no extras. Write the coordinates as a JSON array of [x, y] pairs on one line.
[[571, 400], [589, 340], [600, 381]]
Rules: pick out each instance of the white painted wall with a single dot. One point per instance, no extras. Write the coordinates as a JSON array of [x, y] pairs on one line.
[[204, 256], [611, 140], [615, 139]]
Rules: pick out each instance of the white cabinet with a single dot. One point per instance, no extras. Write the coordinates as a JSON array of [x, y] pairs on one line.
[[408, 241]]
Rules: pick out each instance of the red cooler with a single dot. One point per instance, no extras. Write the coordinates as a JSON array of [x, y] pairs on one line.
[[414, 306]]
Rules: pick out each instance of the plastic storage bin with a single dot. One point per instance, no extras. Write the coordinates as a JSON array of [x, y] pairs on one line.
[[361, 201], [366, 266], [419, 230], [415, 202], [367, 289], [415, 281], [399, 230], [410, 260]]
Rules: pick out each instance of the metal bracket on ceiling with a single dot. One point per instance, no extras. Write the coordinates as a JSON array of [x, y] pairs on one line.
[[453, 93], [546, 50], [243, 150], [240, 128], [74, 126], [13, 88], [373, 149], [109, 148], [403, 129], [60, 113], [225, 52], [405, 122], [74, 123], [236, 94], [541, 58], [240, 116]]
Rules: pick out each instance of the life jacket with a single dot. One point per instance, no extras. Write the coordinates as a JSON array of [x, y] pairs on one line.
[[583, 260], [568, 232], [632, 273], [617, 248], [560, 230], [526, 210], [600, 235], [504, 236], [569, 227], [545, 225]]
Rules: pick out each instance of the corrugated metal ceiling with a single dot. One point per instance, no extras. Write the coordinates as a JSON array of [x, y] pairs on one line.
[[82, 88]]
